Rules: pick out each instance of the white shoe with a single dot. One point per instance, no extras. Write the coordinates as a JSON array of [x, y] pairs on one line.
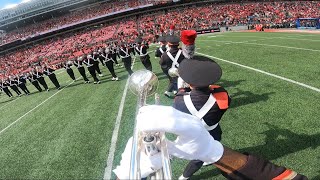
[[114, 79], [94, 82], [100, 75], [168, 94], [183, 178], [98, 82]]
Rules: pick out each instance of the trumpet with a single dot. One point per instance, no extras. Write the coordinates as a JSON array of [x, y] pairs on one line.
[[144, 83]]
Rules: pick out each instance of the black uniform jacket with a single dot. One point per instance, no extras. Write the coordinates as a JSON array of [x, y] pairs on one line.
[[158, 53], [199, 98], [166, 62]]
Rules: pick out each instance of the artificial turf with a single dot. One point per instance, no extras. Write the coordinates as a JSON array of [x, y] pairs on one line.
[[68, 136]]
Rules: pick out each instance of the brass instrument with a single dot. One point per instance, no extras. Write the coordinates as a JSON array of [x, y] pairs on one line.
[[144, 83]]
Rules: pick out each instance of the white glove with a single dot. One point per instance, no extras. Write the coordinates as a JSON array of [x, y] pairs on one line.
[[193, 142], [148, 164], [182, 83]]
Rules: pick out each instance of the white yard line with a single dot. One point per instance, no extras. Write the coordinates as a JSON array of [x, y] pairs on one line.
[[114, 139], [3, 130], [259, 44], [266, 73], [279, 37], [115, 133]]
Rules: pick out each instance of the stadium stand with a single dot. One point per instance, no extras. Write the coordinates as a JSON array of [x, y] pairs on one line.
[[205, 15]]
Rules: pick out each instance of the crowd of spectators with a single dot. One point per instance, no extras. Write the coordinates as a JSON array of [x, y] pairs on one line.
[[64, 47], [75, 16]]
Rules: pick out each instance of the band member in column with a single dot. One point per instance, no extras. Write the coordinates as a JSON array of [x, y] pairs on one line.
[[113, 51], [4, 86], [67, 66], [170, 60], [39, 76], [160, 50], [142, 51], [131, 49], [79, 64], [32, 78], [14, 85], [89, 62], [126, 58], [96, 63], [50, 73], [21, 81], [106, 57], [206, 101]]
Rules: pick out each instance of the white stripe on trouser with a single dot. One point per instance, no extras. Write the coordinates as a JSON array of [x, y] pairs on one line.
[[203, 111]]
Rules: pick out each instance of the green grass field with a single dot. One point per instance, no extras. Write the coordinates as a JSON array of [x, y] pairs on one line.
[[66, 134]]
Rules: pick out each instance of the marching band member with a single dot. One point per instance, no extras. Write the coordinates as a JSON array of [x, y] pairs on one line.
[[4, 87], [170, 60], [39, 76], [124, 53], [206, 101], [21, 82], [79, 64], [89, 62], [106, 57], [52, 76], [131, 49], [33, 81], [67, 66], [160, 50], [113, 52], [96, 63], [194, 142], [14, 85], [142, 51]]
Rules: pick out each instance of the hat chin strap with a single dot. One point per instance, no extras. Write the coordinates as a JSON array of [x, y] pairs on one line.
[[188, 51]]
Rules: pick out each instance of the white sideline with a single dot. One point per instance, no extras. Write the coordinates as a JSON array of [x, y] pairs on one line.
[[259, 44], [264, 72], [114, 139], [274, 37], [3, 130]]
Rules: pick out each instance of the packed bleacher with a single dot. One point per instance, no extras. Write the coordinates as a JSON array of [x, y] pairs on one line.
[[73, 17], [63, 47]]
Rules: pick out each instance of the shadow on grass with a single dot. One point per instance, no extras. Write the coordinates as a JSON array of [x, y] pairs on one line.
[[279, 142], [242, 98], [318, 176], [207, 175], [226, 83], [8, 100]]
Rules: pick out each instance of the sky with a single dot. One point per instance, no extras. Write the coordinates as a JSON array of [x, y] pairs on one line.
[[4, 3]]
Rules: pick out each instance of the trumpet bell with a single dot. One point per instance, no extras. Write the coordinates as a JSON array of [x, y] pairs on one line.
[[173, 72], [143, 81]]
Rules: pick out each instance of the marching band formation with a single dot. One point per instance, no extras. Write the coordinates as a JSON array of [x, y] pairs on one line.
[[192, 85], [106, 56]]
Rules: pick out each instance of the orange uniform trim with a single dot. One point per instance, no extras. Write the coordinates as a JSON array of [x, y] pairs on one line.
[[221, 97], [286, 175]]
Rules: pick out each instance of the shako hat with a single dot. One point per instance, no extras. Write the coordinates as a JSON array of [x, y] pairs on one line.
[[172, 40], [200, 71]]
